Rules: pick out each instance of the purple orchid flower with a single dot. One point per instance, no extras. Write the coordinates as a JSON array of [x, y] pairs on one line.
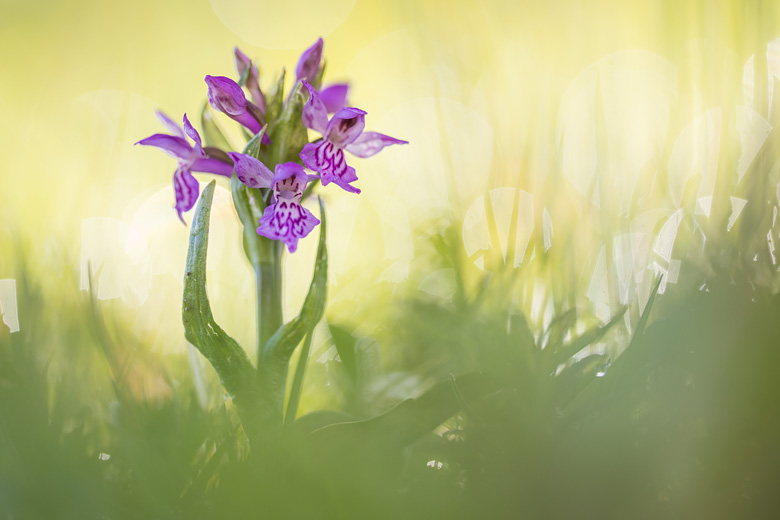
[[252, 80], [227, 96], [344, 131], [285, 219], [191, 158]]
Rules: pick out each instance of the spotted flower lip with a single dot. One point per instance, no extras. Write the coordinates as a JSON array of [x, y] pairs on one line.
[[226, 96], [252, 80], [190, 158], [343, 131], [286, 219]]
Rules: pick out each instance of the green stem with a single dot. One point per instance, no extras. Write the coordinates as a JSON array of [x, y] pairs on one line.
[[269, 295], [297, 384]]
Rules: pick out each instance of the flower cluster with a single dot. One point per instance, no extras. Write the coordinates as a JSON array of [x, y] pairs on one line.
[[284, 218]]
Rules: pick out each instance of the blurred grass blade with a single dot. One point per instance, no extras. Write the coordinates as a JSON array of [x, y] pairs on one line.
[[297, 384], [590, 336], [225, 355], [412, 418]]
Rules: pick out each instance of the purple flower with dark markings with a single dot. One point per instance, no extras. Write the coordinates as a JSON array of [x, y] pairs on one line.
[[309, 62], [252, 80], [227, 96], [285, 219], [191, 158], [344, 131]]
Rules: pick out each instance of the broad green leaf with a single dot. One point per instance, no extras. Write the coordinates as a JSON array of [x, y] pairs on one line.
[[223, 352], [288, 135], [212, 135]]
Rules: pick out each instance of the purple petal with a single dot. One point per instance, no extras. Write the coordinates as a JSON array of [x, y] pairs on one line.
[[345, 126], [289, 169], [186, 188], [315, 115], [370, 143], [194, 135], [211, 165], [226, 95], [169, 124], [309, 62], [248, 121], [334, 97], [287, 221], [174, 145], [328, 160], [251, 172]]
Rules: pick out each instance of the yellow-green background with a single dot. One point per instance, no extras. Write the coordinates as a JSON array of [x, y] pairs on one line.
[[476, 87]]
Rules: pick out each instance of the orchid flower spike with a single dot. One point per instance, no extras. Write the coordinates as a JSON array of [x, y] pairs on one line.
[[252, 79], [191, 158], [344, 131], [226, 96], [286, 219]]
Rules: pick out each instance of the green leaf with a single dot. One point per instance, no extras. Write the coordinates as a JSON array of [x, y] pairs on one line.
[[288, 135], [274, 359], [212, 135], [231, 363], [283, 342], [412, 418], [276, 100]]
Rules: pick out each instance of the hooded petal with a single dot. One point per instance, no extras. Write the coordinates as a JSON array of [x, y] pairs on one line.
[[194, 135], [286, 170], [315, 115], [172, 144], [226, 95], [334, 97], [370, 143], [186, 188], [328, 160], [288, 221], [169, 123], [251, 172], [345, 126], [309, 62]]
